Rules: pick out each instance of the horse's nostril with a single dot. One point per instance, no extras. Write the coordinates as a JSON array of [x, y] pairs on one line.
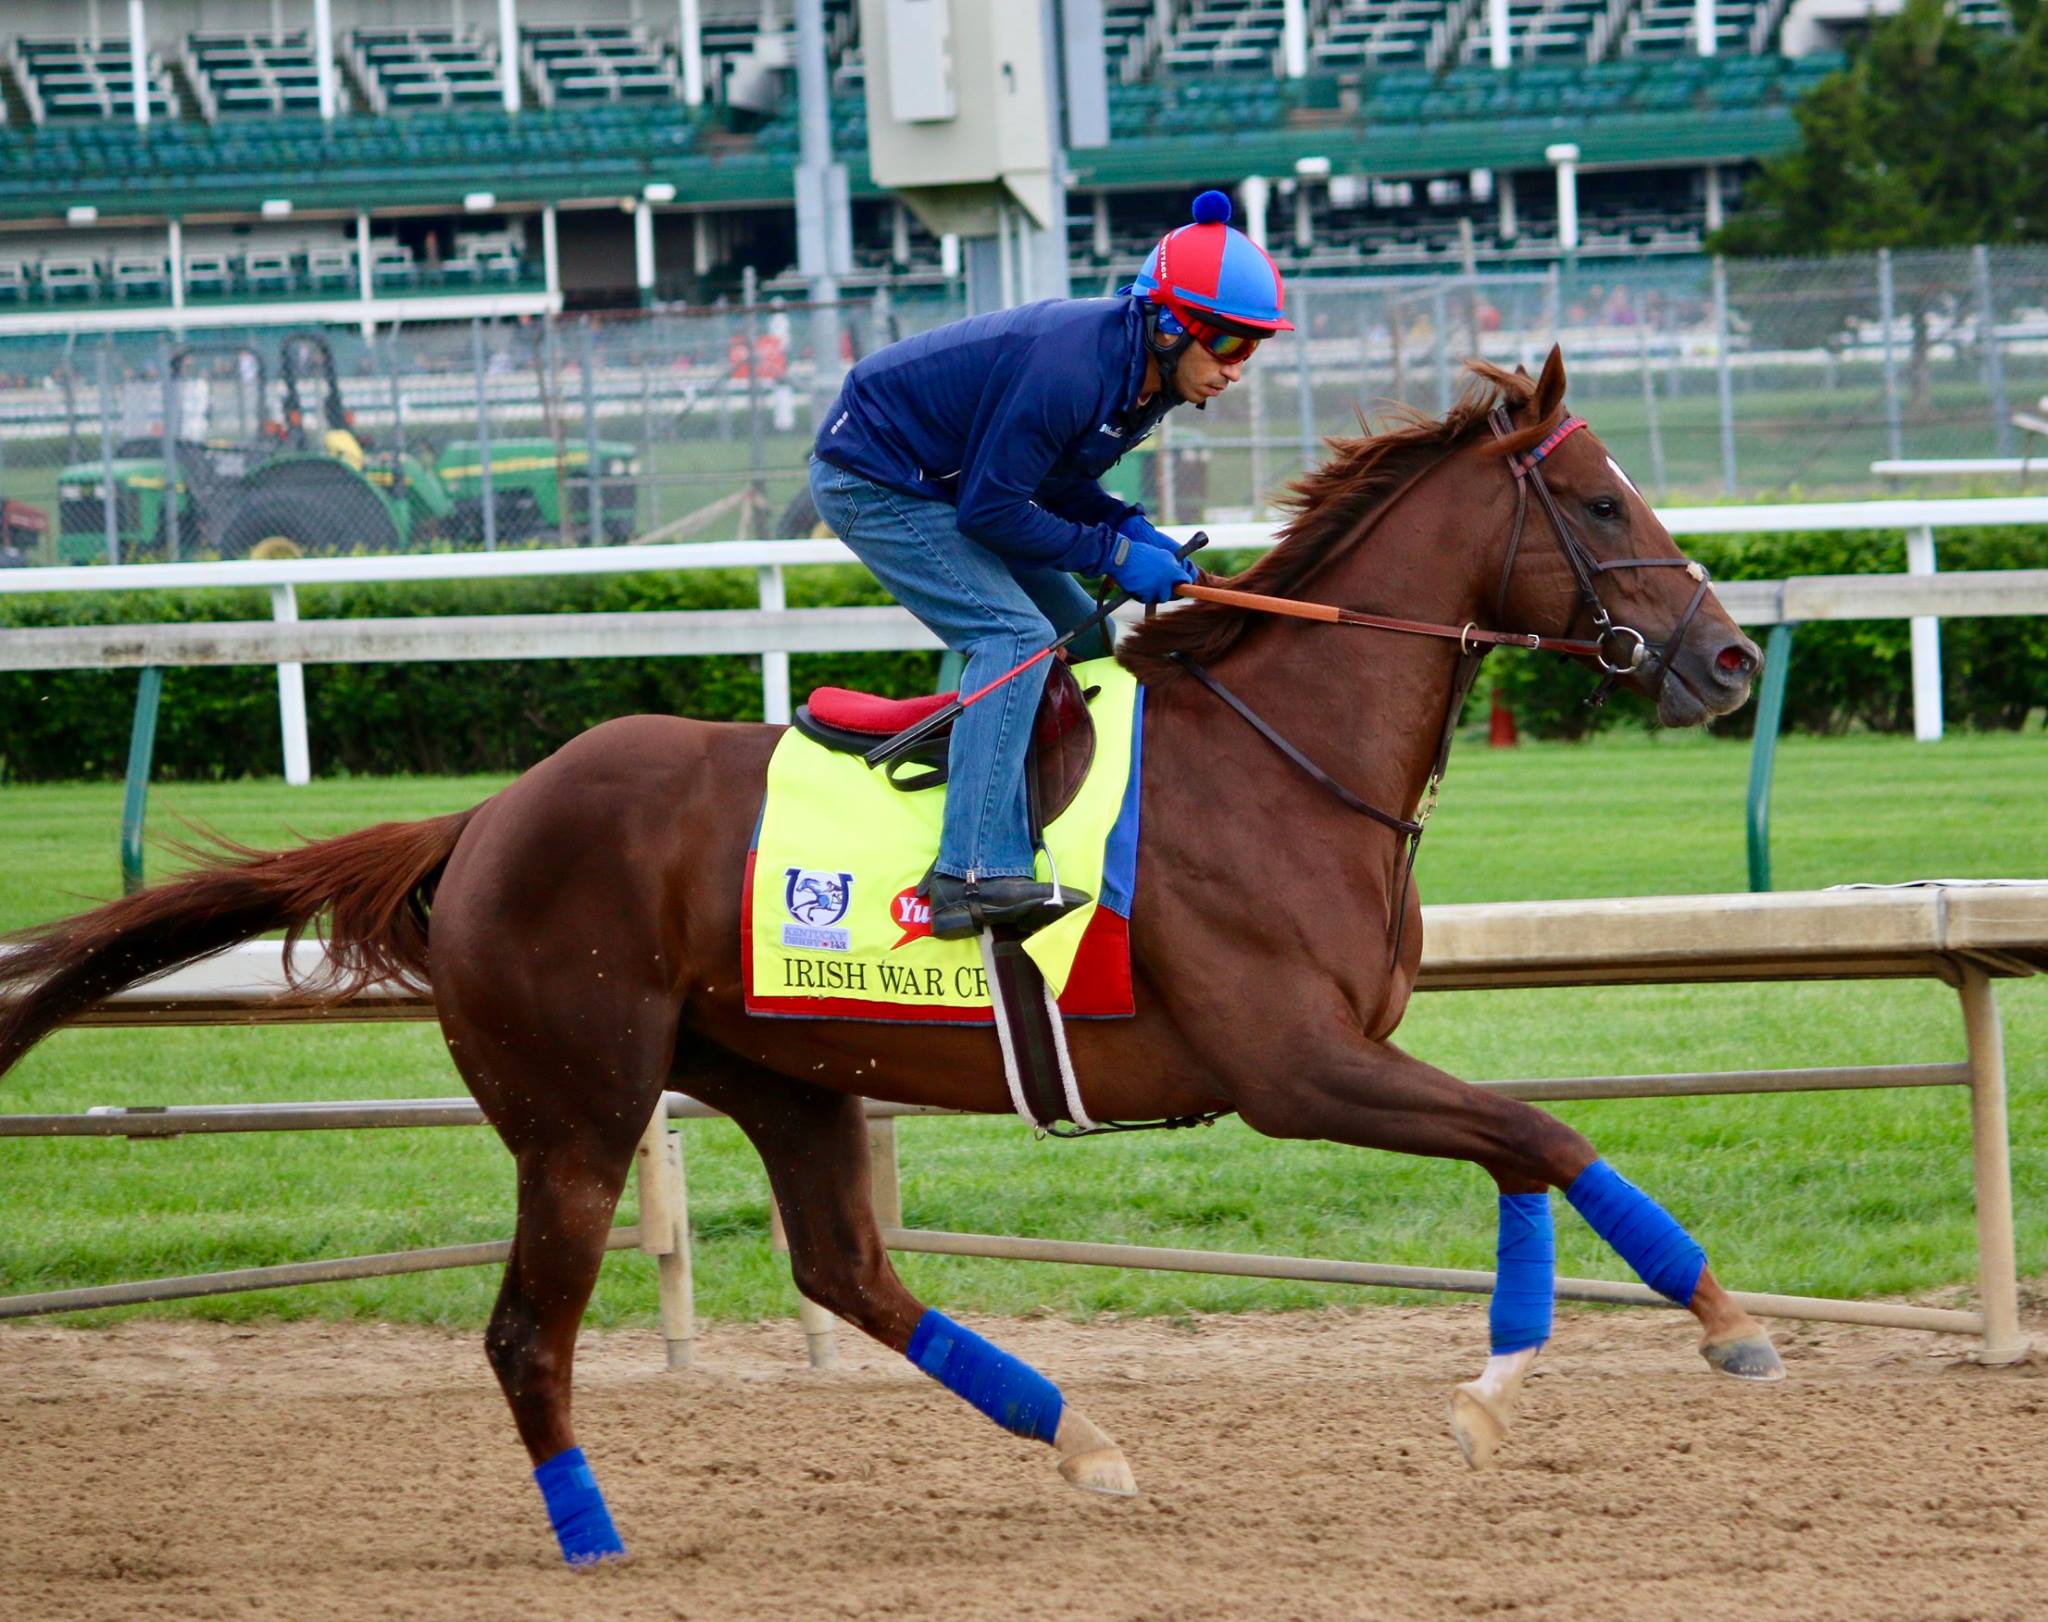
[[1735, 661]]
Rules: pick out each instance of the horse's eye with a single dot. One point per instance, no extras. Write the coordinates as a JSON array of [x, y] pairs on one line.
[[1604, 507]]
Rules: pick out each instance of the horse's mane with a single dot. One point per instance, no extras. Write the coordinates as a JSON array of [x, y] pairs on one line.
[[1332, 505]]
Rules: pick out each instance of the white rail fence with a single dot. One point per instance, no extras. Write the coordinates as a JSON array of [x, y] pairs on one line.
[[774, 631], [1962, 936]]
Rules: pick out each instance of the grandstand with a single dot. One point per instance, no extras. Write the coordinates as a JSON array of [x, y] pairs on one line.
[[236, 75], [468, 168]]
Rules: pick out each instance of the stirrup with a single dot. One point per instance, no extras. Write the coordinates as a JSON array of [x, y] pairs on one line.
[[1017, 903]]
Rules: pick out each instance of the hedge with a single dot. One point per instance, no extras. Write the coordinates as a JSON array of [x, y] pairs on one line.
[[501, 717], [1846, 675], [467, 716]]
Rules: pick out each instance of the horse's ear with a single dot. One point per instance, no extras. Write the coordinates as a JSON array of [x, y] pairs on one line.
[[1550, 386], [1521, 370]]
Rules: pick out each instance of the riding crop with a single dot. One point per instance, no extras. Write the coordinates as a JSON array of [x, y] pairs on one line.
[[889, 748]]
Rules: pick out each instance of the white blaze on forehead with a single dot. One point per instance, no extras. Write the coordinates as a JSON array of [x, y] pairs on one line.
[[1625, 479]]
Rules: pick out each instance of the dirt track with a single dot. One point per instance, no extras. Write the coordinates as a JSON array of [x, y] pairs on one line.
[[1292, 1467]]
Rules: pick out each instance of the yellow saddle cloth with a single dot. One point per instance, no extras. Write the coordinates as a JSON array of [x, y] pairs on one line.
[[832, 927]]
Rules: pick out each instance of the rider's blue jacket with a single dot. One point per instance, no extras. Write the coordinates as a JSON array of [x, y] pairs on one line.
[[1012, 417]]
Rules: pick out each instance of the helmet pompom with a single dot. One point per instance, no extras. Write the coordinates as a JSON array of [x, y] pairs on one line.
[[1212, 208]]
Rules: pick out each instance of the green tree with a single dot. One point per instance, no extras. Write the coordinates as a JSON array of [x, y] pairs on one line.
[[1933, 136]]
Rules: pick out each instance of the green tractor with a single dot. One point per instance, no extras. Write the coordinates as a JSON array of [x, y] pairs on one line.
[[304, 483]]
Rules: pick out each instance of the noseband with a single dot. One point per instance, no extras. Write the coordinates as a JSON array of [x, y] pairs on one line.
[[1619, 649]]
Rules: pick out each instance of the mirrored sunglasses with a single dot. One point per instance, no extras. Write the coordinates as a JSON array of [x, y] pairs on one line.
[[1225, 346]]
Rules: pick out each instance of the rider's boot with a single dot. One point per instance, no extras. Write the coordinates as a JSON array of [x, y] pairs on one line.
[[962, 908]]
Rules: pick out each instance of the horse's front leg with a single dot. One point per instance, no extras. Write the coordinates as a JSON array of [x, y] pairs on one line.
[[1373, 1095]]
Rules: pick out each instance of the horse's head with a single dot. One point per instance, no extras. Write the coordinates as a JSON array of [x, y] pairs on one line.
[[1586, 557]]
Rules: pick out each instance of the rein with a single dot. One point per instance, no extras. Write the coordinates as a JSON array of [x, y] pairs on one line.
[[1629, 647]]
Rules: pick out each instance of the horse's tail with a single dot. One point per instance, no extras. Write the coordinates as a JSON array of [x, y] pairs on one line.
[[375, 886]]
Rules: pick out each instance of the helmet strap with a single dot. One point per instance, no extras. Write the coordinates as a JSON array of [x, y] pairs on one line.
[[1167, 350]]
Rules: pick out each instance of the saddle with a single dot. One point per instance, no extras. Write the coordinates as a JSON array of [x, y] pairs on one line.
[[1061, 751]]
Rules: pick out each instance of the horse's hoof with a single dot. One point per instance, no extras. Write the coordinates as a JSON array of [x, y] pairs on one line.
[[1748, 1357], [1090, 1460], [1102, 1469], [1479, 1429]]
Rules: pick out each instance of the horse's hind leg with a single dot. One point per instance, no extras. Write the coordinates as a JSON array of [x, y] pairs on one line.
[[814, 1144], [568, 1188], [571, 1110]]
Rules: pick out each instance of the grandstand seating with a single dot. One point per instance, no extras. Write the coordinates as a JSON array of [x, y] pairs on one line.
[[605, 101], [1663, 28], [1224, 36], [70, 80], [405, 70], [586, 62], [1377, 34], [241, 74], [1538, 31], [1130, 38]]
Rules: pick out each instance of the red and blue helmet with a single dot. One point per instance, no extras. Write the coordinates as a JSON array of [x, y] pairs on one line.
[[1211, 274]]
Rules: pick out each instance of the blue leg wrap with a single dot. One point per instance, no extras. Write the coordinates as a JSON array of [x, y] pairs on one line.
[[1642, 1232], [583, 1526], [1525, 1279], [1012, 1393]]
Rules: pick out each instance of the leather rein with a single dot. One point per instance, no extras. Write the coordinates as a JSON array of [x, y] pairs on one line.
[[1619, 650]]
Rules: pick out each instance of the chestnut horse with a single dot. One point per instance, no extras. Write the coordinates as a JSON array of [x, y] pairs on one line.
[[584, 934]]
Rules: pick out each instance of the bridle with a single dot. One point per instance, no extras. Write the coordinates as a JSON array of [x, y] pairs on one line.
[[1619, 650]]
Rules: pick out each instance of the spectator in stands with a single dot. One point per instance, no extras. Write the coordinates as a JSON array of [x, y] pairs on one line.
[[962, 465]]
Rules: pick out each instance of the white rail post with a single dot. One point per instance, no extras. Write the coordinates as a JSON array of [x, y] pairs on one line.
[[665, 1232], [1991, 1160], [1926, 643], [774, 665], [1499, 51], [884, 1179], [1706, 27], [821, 1329], [291, 695]]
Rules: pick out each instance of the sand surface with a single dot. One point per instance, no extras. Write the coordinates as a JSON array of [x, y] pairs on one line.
[[1291, 1466]]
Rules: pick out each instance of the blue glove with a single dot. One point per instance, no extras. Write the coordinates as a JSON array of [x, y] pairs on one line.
[[1146, 572], [1142, 530]]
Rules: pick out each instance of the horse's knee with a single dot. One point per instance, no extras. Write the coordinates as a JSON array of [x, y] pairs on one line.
[[519, 1353], [1542, 1148], [844, 1282]]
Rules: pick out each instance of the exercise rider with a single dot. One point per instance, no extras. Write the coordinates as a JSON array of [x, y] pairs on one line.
[[961, 465]]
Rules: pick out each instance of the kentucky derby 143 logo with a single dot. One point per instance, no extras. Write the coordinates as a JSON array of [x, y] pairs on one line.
[[912, 914], [816, 900]]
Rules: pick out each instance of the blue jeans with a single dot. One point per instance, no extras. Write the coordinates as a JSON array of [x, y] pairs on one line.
[[994, 613]]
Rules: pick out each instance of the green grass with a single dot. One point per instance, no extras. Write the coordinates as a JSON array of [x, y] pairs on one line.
[[1853, 1194]]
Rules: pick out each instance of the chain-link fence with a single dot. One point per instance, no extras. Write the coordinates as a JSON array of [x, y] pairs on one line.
[[1708, 380]]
